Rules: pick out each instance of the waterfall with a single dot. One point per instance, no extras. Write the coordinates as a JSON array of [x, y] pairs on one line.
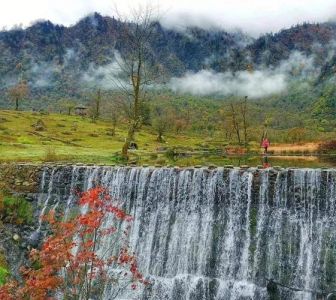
[[220, 234]]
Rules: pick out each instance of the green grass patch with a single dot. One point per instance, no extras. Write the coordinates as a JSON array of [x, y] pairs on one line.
[[15, 210], [75, 139], [4, 273]]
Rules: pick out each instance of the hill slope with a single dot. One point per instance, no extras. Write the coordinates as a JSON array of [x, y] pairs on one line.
[[63, 61]]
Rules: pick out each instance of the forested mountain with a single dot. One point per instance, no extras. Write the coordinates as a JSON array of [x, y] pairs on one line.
[[64, 53], [60, 61]]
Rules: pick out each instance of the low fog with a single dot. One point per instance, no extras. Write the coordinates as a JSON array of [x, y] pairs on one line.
[[107, 77], [255, 84], [259, 83]]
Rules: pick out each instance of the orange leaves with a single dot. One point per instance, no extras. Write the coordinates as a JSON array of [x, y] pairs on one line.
[[94, 197], [68, 261], [119, 213]]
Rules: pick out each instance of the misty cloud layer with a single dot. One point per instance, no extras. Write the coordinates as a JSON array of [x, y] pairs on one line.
[[262, 82], [106, 77], [256, 84], [254, 16]]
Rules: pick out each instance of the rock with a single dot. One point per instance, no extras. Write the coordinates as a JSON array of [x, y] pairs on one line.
[[34, 239], [133, 146], [26, 183], [16, 237], [23, 245], [211, 167], [39, 125]]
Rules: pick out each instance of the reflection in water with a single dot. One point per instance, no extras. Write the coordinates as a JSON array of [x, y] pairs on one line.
[[219, 159], [265, 162]]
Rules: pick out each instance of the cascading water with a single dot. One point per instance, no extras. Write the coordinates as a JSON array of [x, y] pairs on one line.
[[218, 234]]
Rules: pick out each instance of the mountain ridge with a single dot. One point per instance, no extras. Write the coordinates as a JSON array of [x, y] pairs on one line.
[[55, 57]]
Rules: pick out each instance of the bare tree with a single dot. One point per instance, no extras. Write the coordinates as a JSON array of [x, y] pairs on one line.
[[18, 92], [239, 118], [235, 121], [111, 110], [135, 67], [95, 106], [162, 122], [243, 111]]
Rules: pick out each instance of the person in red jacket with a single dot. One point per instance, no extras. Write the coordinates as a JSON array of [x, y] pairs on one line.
[[265, 144]]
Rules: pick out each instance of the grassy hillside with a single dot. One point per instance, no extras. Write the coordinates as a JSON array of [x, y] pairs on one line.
[[76, 139]]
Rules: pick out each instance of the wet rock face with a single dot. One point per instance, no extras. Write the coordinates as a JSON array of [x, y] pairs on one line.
[[213, 233]]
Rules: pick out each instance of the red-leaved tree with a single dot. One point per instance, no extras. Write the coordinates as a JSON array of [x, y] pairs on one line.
[[70, 263]]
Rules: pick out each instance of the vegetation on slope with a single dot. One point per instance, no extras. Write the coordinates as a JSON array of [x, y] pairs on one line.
[[79, 139]]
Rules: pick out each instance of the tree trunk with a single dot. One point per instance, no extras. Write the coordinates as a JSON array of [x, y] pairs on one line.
[[243, 112], [235, 123], [129, 139], [159, 138], [16, 104]]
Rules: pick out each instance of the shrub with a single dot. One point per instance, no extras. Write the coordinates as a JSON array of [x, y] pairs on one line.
[[69, 263], [15, 210], [171, 154], [328, 146], [3, 275], [50, 154]]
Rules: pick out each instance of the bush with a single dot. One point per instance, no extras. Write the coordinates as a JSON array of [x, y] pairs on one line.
[[3, 275], [329, 146], [297, 135], [50, 154], [171, 154], [15, 210]]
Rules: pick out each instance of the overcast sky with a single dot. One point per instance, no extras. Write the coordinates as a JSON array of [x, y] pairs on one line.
[[252, 16]]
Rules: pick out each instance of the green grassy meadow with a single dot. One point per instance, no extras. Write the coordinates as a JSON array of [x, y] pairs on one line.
[[78, 139]]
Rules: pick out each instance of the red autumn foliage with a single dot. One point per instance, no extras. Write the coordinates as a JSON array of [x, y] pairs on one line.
[[68, 263]]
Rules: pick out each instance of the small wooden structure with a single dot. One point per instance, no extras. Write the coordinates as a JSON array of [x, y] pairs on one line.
[[81, 110]]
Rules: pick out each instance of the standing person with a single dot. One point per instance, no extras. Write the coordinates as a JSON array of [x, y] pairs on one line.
[[265, 144]]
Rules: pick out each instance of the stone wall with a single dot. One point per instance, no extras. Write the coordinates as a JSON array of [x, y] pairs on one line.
[[20, 178]]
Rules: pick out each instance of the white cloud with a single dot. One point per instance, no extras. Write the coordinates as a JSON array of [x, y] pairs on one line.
[[106, 77], [253, 16], [257, 84]]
